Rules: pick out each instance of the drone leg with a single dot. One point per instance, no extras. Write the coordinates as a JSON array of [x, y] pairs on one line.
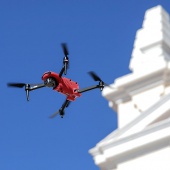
[[37, 86]]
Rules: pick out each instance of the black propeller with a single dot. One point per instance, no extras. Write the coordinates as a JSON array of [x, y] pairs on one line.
[[65, 49], [61, 110], [97, 78], [28, 87], [55, 114], [19, 85], [94, 76], [65, 59]]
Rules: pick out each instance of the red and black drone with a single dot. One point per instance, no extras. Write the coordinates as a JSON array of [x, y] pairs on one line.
[[61, 84]]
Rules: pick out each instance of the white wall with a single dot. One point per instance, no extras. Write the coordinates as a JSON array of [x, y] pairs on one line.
[[139, 103], [158, 160]]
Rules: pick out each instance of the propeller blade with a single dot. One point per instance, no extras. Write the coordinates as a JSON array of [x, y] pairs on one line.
[[65, 49], [65, 59], [94, 76], [19, 85], [97, 78], [55, 114]]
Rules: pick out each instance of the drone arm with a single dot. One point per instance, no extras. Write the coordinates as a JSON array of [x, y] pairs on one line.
[[29, 88], [62, 71], [65, 66], [65, 104], [37, 86], [88, 88]]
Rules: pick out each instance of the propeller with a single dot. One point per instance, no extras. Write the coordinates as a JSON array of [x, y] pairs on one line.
[[65, 49], [56, 113], [18, 85], [21, 85], [97, 78], [61, 110], [65, 59], [28, 87], [94, 76]]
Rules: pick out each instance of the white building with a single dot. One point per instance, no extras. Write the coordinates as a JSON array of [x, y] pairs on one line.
[[142, 101]]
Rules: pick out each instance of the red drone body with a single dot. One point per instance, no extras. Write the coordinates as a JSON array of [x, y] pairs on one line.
[[63, 85]]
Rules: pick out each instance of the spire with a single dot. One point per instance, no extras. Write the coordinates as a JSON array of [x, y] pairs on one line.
[[152, 43]]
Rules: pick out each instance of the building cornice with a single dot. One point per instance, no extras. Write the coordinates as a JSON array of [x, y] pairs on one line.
[[116, 151], [127, 86]]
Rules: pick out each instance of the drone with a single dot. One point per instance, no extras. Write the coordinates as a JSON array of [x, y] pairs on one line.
[[61, 84]]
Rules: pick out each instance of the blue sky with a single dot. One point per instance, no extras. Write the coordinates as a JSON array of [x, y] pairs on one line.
[[100, 36]]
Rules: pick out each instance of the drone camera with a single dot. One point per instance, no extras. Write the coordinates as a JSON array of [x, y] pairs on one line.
[[50, 82]]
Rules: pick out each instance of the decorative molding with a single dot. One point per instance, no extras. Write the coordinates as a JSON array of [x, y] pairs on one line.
[[149, 140], [131, 84]]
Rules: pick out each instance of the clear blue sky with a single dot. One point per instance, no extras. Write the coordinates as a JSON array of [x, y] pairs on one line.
[[100, 36]]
